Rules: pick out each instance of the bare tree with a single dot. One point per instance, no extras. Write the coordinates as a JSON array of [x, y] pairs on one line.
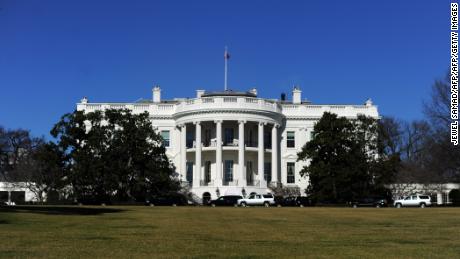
[[15, 146], [444, 156], [437, 109]]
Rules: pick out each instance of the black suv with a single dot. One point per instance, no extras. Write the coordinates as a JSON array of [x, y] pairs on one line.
[[377, 202], [298, 201], [227, 200], [170, 199]]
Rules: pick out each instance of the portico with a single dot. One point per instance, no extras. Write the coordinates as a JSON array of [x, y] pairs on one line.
[[226, 152]]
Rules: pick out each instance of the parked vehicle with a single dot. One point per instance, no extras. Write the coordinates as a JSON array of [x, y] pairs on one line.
[[257, 200], [377, 202], [172, 199], [8, 203], [415, 200], [227, 200], [295, 201]]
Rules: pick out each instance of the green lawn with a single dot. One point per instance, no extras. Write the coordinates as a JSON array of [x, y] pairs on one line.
[[228, 232]]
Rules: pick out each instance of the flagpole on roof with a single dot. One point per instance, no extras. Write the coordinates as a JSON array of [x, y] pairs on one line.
[[226, 57]]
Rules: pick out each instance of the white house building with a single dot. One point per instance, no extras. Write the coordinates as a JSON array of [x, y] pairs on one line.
[[233, 142]]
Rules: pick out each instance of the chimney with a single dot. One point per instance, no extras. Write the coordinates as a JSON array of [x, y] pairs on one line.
[[296, 95], [368, 103], [253, 91], [156, 94], [199, 93]]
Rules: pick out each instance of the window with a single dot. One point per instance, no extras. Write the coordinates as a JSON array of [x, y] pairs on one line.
[[228, 136], [165, 135], [207, 171], [290, 139], [189, 139], [189, 176], [251, 142], [207, 138], [290, 172], [268, 172], [267, 139], [228, 176], [312, 135], [249, 176]]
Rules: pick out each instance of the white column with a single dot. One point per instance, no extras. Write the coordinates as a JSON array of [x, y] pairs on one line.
[[240, 177], [439, 194], [261, 154], [183, 151], [275, 153], [218, 178], [197, 173]]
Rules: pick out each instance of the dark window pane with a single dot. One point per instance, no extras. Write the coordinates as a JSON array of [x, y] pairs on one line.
[[290, 139], [290, 172]]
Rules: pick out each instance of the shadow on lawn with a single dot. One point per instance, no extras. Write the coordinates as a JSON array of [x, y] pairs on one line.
[[59, 210]]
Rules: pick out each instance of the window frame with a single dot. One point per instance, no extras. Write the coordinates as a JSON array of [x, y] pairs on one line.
[[290, 177], [166, 140], [290, 143]]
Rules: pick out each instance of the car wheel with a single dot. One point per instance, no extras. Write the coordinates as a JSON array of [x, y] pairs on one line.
[[266, 204], [398, 205], [243, 204], [422, 205], [355, 206], [213, 205]]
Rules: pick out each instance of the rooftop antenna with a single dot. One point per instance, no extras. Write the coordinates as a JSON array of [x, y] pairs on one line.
[[226, 57]]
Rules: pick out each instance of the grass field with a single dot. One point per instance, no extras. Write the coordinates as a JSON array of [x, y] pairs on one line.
[[134, 232]]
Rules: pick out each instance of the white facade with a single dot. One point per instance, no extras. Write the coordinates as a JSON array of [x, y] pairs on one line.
[[7, 190], [233, 142], [440, 192]]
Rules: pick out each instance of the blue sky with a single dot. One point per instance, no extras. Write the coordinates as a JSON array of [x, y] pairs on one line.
[[52, 53]]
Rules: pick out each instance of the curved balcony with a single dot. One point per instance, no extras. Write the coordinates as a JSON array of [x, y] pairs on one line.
[[219, 103]]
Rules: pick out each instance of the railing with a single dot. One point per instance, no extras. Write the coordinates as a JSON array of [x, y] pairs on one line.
[[318, 110], [206, 183], [211, 143], [253, 183], [230, 99], [234, 102], [230, 183], [251, 100], [208, 100], [219, 102], [233, 143]]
